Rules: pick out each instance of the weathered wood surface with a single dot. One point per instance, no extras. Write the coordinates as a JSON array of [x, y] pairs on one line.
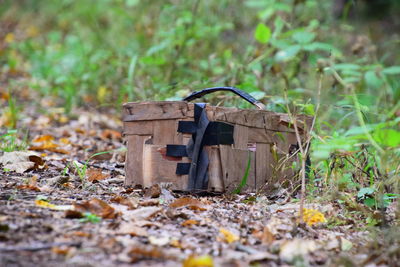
[[166, 110], [234, 163], [216, 183], [161, 110], [134, 160], [150, 126], [158, 168], [262, 165]]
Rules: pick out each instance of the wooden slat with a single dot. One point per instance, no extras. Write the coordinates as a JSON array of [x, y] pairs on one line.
[[138, 128], [161, 169], [165, 132], [258, 135], [234, 163], [134, 159], [161, 110], [240, 136], [263, 164], [216, 182]]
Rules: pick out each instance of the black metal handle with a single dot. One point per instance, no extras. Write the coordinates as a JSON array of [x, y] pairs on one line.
[[238, 92]]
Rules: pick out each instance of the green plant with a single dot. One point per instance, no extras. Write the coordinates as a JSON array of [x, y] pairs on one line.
[[82, 168], [243, 182], [90, 217], [9, 141]]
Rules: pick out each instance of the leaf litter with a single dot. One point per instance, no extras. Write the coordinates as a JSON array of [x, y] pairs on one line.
[[44, 199]]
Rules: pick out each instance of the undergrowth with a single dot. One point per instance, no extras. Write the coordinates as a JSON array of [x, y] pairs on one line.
[[80, 54]]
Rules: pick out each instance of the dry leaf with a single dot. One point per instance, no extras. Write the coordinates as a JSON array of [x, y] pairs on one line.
[[295, 248], [132, 203], [31, 185], [80, 234], [191, 203], [228, 236], [265, 236], [198, 261], [48, 205], [159, 240], [153, 191], [128, 228], [21, 161], [190, 223], [93, 175], [145, 252], [176, 243], [345, 244], [46, 142], [98, 207], [110, 134], [311, 216], [64, 250], [141, 214], [149, 202]]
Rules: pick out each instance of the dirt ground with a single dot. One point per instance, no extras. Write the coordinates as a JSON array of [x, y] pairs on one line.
[[66, 207]]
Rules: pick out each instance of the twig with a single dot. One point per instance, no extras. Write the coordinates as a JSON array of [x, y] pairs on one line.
[[304, 151]]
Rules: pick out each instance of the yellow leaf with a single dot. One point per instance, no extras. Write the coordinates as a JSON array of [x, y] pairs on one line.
[[47, 205], [9, 37], [102, 93], [198, 261], [229, 237], [44, 204], [311, 216], [32, 31]]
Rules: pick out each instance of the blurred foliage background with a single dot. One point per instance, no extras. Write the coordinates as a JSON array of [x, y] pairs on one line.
[[103, 53]]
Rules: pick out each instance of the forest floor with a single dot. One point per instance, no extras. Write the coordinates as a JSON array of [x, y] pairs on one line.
[[61, 207]]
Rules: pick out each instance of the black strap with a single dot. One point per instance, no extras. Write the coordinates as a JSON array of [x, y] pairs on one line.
[[198, 175], [183, 168], [244, 95], [176, 151]]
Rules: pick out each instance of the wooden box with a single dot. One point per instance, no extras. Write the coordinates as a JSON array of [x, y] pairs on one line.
[[159, 135]]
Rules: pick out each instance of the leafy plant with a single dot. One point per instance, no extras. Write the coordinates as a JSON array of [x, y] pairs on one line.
[[9, 141], [90, 217]]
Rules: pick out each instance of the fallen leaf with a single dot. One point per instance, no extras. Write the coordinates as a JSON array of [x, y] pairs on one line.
[[176, 243], [141, 214], [80, 234], [265, 236], [43, 138], [345, 244], [198, 261], [159, 240], [111, 134], [64, 250], [149, 202], [44, 204], [31, 185], [228, 236], [128, 228], [21, 161], [132, 203], [46, 142], [191, 203], [311, 216], [98, 207], [296, 248], [190, 223], [48, 205], [93, 175], [153, 191], [138, 253]]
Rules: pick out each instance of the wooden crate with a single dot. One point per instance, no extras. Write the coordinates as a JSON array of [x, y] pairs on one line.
[[261, 137]]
